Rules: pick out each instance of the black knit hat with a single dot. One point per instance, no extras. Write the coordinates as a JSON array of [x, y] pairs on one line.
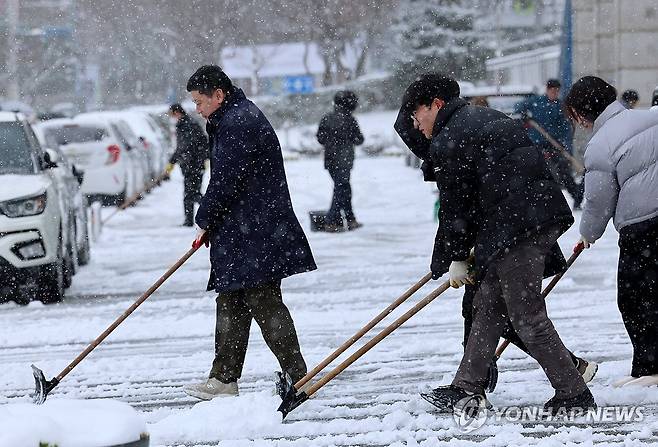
[[428, 87], [589, 97], [553, 83], [346, 99]]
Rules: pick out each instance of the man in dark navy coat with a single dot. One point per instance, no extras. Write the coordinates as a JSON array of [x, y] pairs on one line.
[[255, 239]]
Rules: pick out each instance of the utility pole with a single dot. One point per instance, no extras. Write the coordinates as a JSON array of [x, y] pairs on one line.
[[12, 49]]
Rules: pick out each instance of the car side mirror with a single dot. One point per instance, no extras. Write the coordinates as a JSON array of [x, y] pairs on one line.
[[50, 159]]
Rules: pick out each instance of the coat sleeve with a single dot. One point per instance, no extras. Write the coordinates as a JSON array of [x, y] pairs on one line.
[[457, 182], [357, 136], [229, 173], [180, 139], [323, 131], [601, 190]]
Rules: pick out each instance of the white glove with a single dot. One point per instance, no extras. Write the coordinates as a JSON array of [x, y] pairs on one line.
[[459, 274], [585, 242]]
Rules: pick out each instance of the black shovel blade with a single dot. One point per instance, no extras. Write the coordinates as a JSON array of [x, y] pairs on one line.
[[42, 386], [291, 402], [492, 376]]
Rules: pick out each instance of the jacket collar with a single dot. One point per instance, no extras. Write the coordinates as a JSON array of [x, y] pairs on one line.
[[234, 96], [612, 110], [446, 113]]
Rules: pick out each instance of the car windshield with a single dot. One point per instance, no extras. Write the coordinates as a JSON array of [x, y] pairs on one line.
[[73, 133], [15, 152]]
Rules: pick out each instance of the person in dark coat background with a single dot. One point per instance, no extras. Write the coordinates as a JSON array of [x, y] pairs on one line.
[[546, 110], [497, 196], [255, 238], [191, 154], [339, 132]]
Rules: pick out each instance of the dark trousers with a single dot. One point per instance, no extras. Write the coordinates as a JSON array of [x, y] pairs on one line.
[[563, 173], [235, 310], [512, 289], [191, 194], [508, 332], [342, 198], [637, 293]]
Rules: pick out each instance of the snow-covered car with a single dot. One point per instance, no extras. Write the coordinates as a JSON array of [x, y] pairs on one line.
[[151, 137], [111, 170], [36, 237]]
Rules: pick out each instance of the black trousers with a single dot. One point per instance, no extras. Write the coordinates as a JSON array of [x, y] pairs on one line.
[[342, 197], [191, 194], [235, 311], [637, 293], [563, 173]]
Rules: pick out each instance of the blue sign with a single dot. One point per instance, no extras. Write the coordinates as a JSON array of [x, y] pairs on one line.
[[298, 84]]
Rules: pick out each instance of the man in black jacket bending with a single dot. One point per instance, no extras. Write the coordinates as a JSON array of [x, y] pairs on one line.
[[498, 196]]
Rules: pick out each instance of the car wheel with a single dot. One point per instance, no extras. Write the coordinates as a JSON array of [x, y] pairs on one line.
[[52, 281]]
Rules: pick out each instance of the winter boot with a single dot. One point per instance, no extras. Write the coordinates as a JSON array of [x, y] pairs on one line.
[[583, 402], [643, 381], [447, 398], [353, 225], [586, 369], [212, 388]]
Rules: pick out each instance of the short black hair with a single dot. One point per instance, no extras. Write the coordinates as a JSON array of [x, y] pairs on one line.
[[426, 88], [589, 97], [347, 100], [177, 108], [553, 83], [209, 78], [630, 96]]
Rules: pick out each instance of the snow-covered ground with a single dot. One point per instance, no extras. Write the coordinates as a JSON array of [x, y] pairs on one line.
[[168, 342]]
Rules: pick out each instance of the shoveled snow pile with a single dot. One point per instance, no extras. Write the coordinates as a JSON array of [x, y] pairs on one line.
[[240, 417], [70, 423]]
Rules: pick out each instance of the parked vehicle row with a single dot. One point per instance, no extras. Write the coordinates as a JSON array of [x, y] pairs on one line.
[[118, 153], [43, 216]]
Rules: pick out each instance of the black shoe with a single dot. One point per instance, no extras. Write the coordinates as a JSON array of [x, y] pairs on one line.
[[353, 225], [333, 228], [445, 398], [582, 402]]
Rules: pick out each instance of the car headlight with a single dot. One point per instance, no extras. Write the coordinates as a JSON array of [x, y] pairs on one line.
[[24, 207]]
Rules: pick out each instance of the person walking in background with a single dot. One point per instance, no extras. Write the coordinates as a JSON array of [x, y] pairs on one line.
[[339, 132], [629, 99], [621, 182], [255, 239], [191, 154], [546, 110]]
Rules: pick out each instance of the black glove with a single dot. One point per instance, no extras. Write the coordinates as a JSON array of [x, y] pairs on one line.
[[428, 171]]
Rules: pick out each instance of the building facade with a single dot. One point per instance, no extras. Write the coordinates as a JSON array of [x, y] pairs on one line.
[[618, 41]]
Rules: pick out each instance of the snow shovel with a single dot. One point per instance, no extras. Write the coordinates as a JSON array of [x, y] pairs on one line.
[[135, 197], [493, 368], [293, 399], [284, 385], [577, 165], [43, 386]]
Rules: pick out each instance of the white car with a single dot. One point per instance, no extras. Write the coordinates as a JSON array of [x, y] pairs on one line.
[[150, 135], [36, 242], [112, 170]]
